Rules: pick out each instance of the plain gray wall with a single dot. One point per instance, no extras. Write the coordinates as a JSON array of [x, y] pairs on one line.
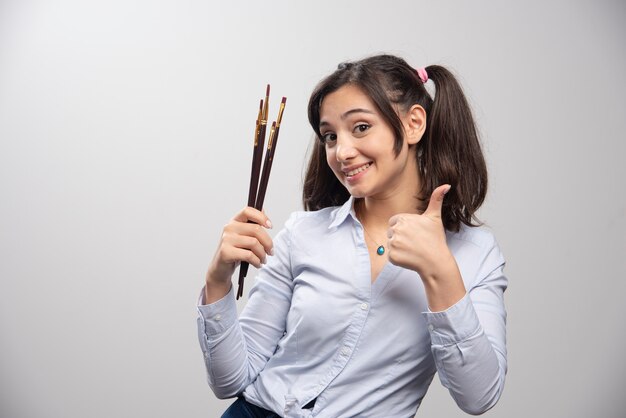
[[125, 136]]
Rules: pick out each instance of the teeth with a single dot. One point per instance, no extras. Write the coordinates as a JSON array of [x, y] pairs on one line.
[[358, 170]]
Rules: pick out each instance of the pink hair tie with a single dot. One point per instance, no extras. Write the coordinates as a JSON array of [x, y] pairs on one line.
[[423, 74]]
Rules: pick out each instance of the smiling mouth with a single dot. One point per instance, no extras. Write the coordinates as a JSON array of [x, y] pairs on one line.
[[358, 170]]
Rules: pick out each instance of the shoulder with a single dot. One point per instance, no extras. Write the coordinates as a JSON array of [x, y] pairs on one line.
[[304, 229], [475, 247], [477, 254], [322, 218], [479, 236]]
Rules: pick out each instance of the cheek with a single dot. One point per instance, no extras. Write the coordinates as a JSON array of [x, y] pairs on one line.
[[330, 159]]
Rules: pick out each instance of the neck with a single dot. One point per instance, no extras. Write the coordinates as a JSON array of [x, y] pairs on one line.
[[375, 212]]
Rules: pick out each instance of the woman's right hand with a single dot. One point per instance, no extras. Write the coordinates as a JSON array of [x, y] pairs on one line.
[[241, 241]]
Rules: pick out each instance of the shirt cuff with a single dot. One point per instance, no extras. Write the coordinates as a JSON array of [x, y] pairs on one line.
[[218, 316], [454, 325]]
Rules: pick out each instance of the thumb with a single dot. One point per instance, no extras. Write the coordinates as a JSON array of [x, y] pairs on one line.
[[436, 201]]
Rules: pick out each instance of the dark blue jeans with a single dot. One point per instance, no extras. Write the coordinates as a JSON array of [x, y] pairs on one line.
[[243, 409]]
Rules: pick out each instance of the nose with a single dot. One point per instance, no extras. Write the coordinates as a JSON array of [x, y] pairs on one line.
[[344, 150]]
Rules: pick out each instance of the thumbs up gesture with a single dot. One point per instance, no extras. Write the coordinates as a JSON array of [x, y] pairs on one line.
[[418, 242]]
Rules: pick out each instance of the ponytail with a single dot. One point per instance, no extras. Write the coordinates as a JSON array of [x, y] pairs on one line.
[[451, 153]]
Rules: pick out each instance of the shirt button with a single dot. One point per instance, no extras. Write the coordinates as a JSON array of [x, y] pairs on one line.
[[345, 351], [218, 317], [431, 327], [364, 306]]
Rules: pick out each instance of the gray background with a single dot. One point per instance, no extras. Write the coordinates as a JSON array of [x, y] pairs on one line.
[[125, 136]]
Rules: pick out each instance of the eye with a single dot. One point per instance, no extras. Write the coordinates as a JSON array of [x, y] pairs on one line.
[[328, 138], [361, 128]]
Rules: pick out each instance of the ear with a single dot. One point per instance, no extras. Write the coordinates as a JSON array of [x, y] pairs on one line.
[[414, 124]]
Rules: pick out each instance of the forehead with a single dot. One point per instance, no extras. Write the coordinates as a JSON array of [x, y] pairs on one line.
[[344, 99]]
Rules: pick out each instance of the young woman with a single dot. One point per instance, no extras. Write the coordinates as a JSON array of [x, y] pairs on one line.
[[384, 280]]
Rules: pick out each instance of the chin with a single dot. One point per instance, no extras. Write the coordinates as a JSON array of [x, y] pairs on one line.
[[357, 192]]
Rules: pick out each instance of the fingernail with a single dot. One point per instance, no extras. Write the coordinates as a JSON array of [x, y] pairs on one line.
[[271, 252], [268, 224], [447, 189]]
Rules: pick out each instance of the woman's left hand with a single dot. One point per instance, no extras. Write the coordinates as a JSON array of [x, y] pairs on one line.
[[418, 242]]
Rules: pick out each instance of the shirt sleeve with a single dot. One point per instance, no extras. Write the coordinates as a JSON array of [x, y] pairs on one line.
[[469, 338], [236, 349]]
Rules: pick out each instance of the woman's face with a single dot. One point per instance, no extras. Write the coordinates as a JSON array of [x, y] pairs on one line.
[[360, 146]]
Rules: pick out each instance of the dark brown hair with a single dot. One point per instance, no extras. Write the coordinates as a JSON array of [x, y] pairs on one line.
[[448, 153]]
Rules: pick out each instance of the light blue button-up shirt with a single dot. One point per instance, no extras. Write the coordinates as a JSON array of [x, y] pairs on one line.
[[316, 328]]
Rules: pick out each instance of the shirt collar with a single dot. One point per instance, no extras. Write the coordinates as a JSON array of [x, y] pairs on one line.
[[342, 212]]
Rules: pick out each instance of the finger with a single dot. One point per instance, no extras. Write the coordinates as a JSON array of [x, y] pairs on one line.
[[253, 245], [248, 256], [233, 243], [436, 201], [242, 231], [249, 214], [394, 219]]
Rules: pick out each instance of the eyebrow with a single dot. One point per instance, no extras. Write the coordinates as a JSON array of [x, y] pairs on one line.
[[348, 113]]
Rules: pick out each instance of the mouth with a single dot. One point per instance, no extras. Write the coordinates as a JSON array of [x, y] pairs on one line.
[[357, 170]]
